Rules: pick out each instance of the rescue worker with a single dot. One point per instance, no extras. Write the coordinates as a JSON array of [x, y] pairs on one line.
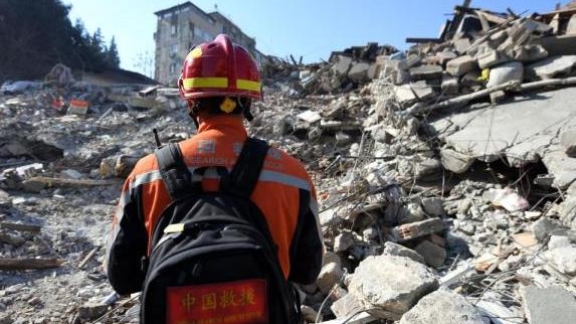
[[219, 80]]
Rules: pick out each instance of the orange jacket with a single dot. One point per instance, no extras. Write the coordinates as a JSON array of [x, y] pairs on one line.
[[284, 194]]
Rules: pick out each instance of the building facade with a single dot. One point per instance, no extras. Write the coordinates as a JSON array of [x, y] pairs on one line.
[[181, 27]]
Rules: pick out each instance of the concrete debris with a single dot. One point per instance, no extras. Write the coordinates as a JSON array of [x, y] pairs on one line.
[[389, 286], [454, 309], [391, 248], [450, 164], [548, 305]]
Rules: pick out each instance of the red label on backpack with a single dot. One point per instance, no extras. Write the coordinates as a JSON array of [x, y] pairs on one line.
[[237, 302]]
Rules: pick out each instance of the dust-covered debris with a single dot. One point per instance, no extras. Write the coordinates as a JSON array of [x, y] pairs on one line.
[[448, 165]]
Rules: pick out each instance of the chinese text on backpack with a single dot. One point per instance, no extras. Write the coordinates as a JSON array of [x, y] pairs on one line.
[[213, 259]]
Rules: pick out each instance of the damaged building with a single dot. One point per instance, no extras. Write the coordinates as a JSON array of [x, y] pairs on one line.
[[181, 27]]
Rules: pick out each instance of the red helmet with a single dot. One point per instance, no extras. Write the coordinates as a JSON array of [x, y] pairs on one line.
[[219, 68]]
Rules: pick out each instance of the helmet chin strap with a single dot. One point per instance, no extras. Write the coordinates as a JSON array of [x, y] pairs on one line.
[[193, 113]]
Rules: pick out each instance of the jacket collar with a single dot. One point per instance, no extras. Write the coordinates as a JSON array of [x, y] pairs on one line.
[[223, 123]]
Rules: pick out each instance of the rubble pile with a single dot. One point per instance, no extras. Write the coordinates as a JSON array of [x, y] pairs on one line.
[[344, 71], [445, 180]]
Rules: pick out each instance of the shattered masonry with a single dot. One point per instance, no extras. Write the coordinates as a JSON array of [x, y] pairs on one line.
[[445, 176]]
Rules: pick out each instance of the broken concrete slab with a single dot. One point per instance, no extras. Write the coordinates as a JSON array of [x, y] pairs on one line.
[[529, 53], [543, 227], [461, 65], [426, 72], [524, 131], [455, 161], [511, 71], [551, 67], [563, 259], [359, 71], [558, 45], [342, 64], [433, 254], [444, 57], [561, 166], [346, 306], [405, 95], [330, 275], [310, 116], [390, 286], [568, 142], [548, 305], [422, 90], [391, 248], [433, 206], [443, 307], [461, 44], [490, 58]]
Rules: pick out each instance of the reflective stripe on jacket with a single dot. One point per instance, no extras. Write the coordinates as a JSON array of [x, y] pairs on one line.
[[284, 194]]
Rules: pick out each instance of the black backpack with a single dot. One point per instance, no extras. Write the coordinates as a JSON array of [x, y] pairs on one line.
[[213, 258]]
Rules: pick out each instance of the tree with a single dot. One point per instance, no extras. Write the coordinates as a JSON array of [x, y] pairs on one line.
[[112, 58], [37, 34]]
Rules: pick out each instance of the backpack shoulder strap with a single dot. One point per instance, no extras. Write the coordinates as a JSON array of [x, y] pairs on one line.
[[175, 175], [244, 176]]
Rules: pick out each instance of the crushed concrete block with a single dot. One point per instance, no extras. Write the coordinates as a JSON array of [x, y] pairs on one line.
[[405, 95], [373, 71], [511, 71], [556, 66], [422, 90], [455, 161], [412, 60], [490, 58], [543, 227], [461, 45], [342, 65], [529, 53], [558, 241], [330, 275], [443, 307], [426, 72], [548, 305], [497, 38], [310, 116], [444, 57], [346, 306], [450, 85], [433, 254], [568, 142], [414, 230], [359, 71], [391, 248], [433, 206], [389, 286], [343, 241], [461, 65], [563, 259], [568, 212], [497, 97], [92, 311]]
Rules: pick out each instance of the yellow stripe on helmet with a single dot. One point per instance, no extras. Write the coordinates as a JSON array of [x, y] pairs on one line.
[[192, 83], [248, 85], [241, 84]]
